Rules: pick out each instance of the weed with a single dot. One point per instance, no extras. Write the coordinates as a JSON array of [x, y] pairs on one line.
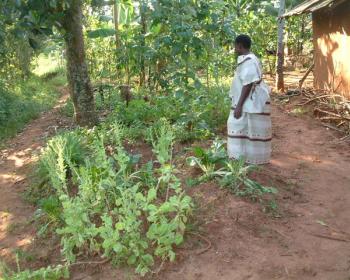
[[49, 212], [271, 207], [231, 174], [208, 160], [101, 200], [13, 227], [47, 273], [23, 255], [68, 109], [235, 177], [299, 111], [192, 118]]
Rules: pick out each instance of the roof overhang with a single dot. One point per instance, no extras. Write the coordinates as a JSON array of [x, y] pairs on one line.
[[311, 6]]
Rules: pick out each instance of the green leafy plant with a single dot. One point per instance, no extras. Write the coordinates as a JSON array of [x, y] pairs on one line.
[[48, 273], [231, 174], [105, 203], [49, 213], [209, 161], [72, 148], [235, 177]]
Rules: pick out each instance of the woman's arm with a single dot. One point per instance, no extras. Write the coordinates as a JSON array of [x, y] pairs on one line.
[[244, 95]]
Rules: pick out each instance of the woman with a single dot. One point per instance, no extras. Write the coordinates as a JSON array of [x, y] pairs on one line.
[[249, 123]]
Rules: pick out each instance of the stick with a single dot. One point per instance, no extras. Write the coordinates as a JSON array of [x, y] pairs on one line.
[[159, 268], [286, 270], [307, 94], [338, 231], [90, 263], [333, 127], [203, 238], [329, 237], [331, 114], [305, 75], [340, 124], [330, 118], [280, 233], [345, 138], [316, 98]]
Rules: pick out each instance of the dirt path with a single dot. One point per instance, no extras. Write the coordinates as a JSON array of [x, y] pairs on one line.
[[309, 237], [16, 230]]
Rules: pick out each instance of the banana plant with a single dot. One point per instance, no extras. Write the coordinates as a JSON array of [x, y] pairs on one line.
[[239, 6], [125, 16]]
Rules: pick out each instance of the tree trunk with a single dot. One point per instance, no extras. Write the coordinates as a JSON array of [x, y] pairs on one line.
[[116, 24], [143, 43], [270, 66], [117, 37], [77, 72], [280, 48], [301, 38]]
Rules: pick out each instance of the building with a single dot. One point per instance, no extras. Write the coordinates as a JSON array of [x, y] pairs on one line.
[[331, 36]]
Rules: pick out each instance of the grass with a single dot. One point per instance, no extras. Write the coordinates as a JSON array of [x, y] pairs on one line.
[[299, 111], [25, 100], [47, 64], [13, 227]]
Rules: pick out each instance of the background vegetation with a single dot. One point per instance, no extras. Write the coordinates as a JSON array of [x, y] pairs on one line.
[[175, 58]]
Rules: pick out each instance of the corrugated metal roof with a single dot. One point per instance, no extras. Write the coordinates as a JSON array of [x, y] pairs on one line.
[[311, 6]]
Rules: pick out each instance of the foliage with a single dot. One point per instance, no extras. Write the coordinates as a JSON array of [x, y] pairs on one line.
[[299, 39], [198, 116], [48, 273], [236, 179], [231, 174], [15, 52], [176, 56], [48, 63], [208, 160], [174, 44], [25, 101], [109, 206], [162, 46], [195, 117]]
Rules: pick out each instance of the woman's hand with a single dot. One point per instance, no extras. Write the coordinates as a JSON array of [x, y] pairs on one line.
[[238, 112], [244, 95]]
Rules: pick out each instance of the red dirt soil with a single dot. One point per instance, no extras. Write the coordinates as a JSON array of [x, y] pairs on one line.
[[307, 237], [16, 228]]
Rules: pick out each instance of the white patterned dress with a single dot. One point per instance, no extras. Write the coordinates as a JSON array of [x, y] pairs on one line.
[[250, 136]]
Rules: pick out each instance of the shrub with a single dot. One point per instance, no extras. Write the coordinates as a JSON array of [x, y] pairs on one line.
[[102, 202]]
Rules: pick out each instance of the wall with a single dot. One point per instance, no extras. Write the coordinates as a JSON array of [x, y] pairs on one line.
[[332, 48]]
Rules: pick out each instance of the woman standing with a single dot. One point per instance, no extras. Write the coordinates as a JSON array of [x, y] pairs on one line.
[[249, 123]]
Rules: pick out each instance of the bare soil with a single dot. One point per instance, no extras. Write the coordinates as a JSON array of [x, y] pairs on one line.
[[17, 231], [306, 237]]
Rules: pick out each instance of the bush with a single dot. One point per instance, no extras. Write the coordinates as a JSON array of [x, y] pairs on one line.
[[48, 273], [100, 201], [196, 116]]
